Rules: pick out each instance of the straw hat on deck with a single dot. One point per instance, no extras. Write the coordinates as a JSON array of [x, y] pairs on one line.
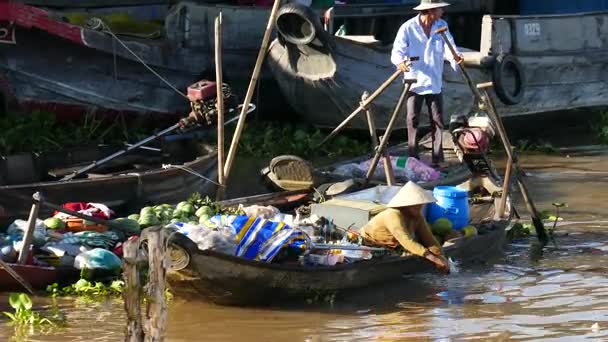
[[411, 194], [430, 4]]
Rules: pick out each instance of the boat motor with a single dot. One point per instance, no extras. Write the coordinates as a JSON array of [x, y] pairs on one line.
[[203, 101]]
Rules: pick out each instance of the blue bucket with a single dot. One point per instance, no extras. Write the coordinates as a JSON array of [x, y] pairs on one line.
[[452, 203]]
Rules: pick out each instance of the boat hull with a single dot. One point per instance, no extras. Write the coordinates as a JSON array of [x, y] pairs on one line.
[[229, 280], [121, 191]]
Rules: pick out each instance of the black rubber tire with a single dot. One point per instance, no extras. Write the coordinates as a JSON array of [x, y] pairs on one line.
[[502, 65], [297, 24]]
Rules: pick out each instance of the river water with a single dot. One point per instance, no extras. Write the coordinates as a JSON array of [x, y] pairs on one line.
[[559, 293]]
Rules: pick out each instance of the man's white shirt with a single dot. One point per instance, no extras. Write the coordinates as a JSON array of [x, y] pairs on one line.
[[411, 41]]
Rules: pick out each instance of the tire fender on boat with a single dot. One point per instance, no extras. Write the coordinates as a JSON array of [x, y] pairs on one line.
[[298, 24], [509, 79]]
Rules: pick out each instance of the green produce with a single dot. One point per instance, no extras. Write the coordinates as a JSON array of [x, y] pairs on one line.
[[441, 226], [134, 217], [148, 220], [174, 220], [181, 204], [147, 211], [177, 213], [204, 219], [204, 211], [54, 223], [194, 223], [128, 226], [469, 231], [188, 208]]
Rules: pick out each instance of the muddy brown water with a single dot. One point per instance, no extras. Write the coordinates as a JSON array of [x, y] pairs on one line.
[[559, 293]]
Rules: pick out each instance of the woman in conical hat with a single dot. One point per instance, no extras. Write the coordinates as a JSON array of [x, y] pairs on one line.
[[402, 225]]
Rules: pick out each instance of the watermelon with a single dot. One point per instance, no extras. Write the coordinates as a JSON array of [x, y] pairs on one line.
[[441, 226], [188, 208], [128, 226], [146, 211], [134, 217], [469, 231], [54, 223], [203, 219], [181, 204], [204, 211]]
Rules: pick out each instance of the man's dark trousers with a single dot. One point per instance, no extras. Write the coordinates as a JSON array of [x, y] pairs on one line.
[[434, 103]]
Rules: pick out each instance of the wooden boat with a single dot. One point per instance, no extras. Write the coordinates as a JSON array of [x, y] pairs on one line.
[[535, 66], [127, 182], [39, 277], [230, 280], [181, 52], [455, 173]]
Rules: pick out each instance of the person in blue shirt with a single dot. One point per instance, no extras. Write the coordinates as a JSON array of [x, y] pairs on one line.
[[417, 38]]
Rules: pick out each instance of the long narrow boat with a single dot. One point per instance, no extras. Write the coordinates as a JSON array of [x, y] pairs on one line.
[[166, 175], [230, 280], [180, 52], [534, 63]]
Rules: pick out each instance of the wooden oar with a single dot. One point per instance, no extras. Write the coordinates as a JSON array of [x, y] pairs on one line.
[[512, 161], [120, 153], [364, 104], [463, 70], [371, 124]]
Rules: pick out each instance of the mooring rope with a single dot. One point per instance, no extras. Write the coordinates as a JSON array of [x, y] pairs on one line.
[[97, 22]]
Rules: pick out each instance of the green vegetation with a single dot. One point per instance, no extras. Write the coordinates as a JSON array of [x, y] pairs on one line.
[[85, 288], [273, 139], [25, 320], [599, 127], [40, 132]]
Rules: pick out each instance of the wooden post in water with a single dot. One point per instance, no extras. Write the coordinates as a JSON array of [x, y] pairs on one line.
[[252, 85], [132, 292], [371, 123], [29, 233], [156, 311], [219, 79]]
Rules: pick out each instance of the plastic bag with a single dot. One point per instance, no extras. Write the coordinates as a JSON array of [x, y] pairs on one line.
[[18, 227], [220, 240], [266, 212], [98, 258]]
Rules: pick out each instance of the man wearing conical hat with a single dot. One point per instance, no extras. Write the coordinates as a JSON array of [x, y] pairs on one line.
[[417, 38], [402, 225]]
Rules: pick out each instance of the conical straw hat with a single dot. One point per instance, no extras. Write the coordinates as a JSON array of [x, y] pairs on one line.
[[430, 4], [411, 194]]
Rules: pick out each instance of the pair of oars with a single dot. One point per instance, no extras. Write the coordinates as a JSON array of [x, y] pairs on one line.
[[480, 91]]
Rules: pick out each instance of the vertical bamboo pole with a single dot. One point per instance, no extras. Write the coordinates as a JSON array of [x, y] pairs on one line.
[[29, 233], [254, 79], [389, 129], [219, 79], [131, 293], [156, 311], [371, 124]]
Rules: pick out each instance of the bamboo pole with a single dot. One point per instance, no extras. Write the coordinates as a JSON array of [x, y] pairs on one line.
[[491, 110], [156, 311], [464, 72], [361, 107], [219, 79], [252, 84], [29, 233], [389, 129], [132, 292], [371, 124]]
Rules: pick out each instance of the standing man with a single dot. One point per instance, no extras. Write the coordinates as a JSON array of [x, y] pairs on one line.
[[416, 37]]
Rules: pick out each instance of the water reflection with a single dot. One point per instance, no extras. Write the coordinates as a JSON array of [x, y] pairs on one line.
[[559, 293]]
